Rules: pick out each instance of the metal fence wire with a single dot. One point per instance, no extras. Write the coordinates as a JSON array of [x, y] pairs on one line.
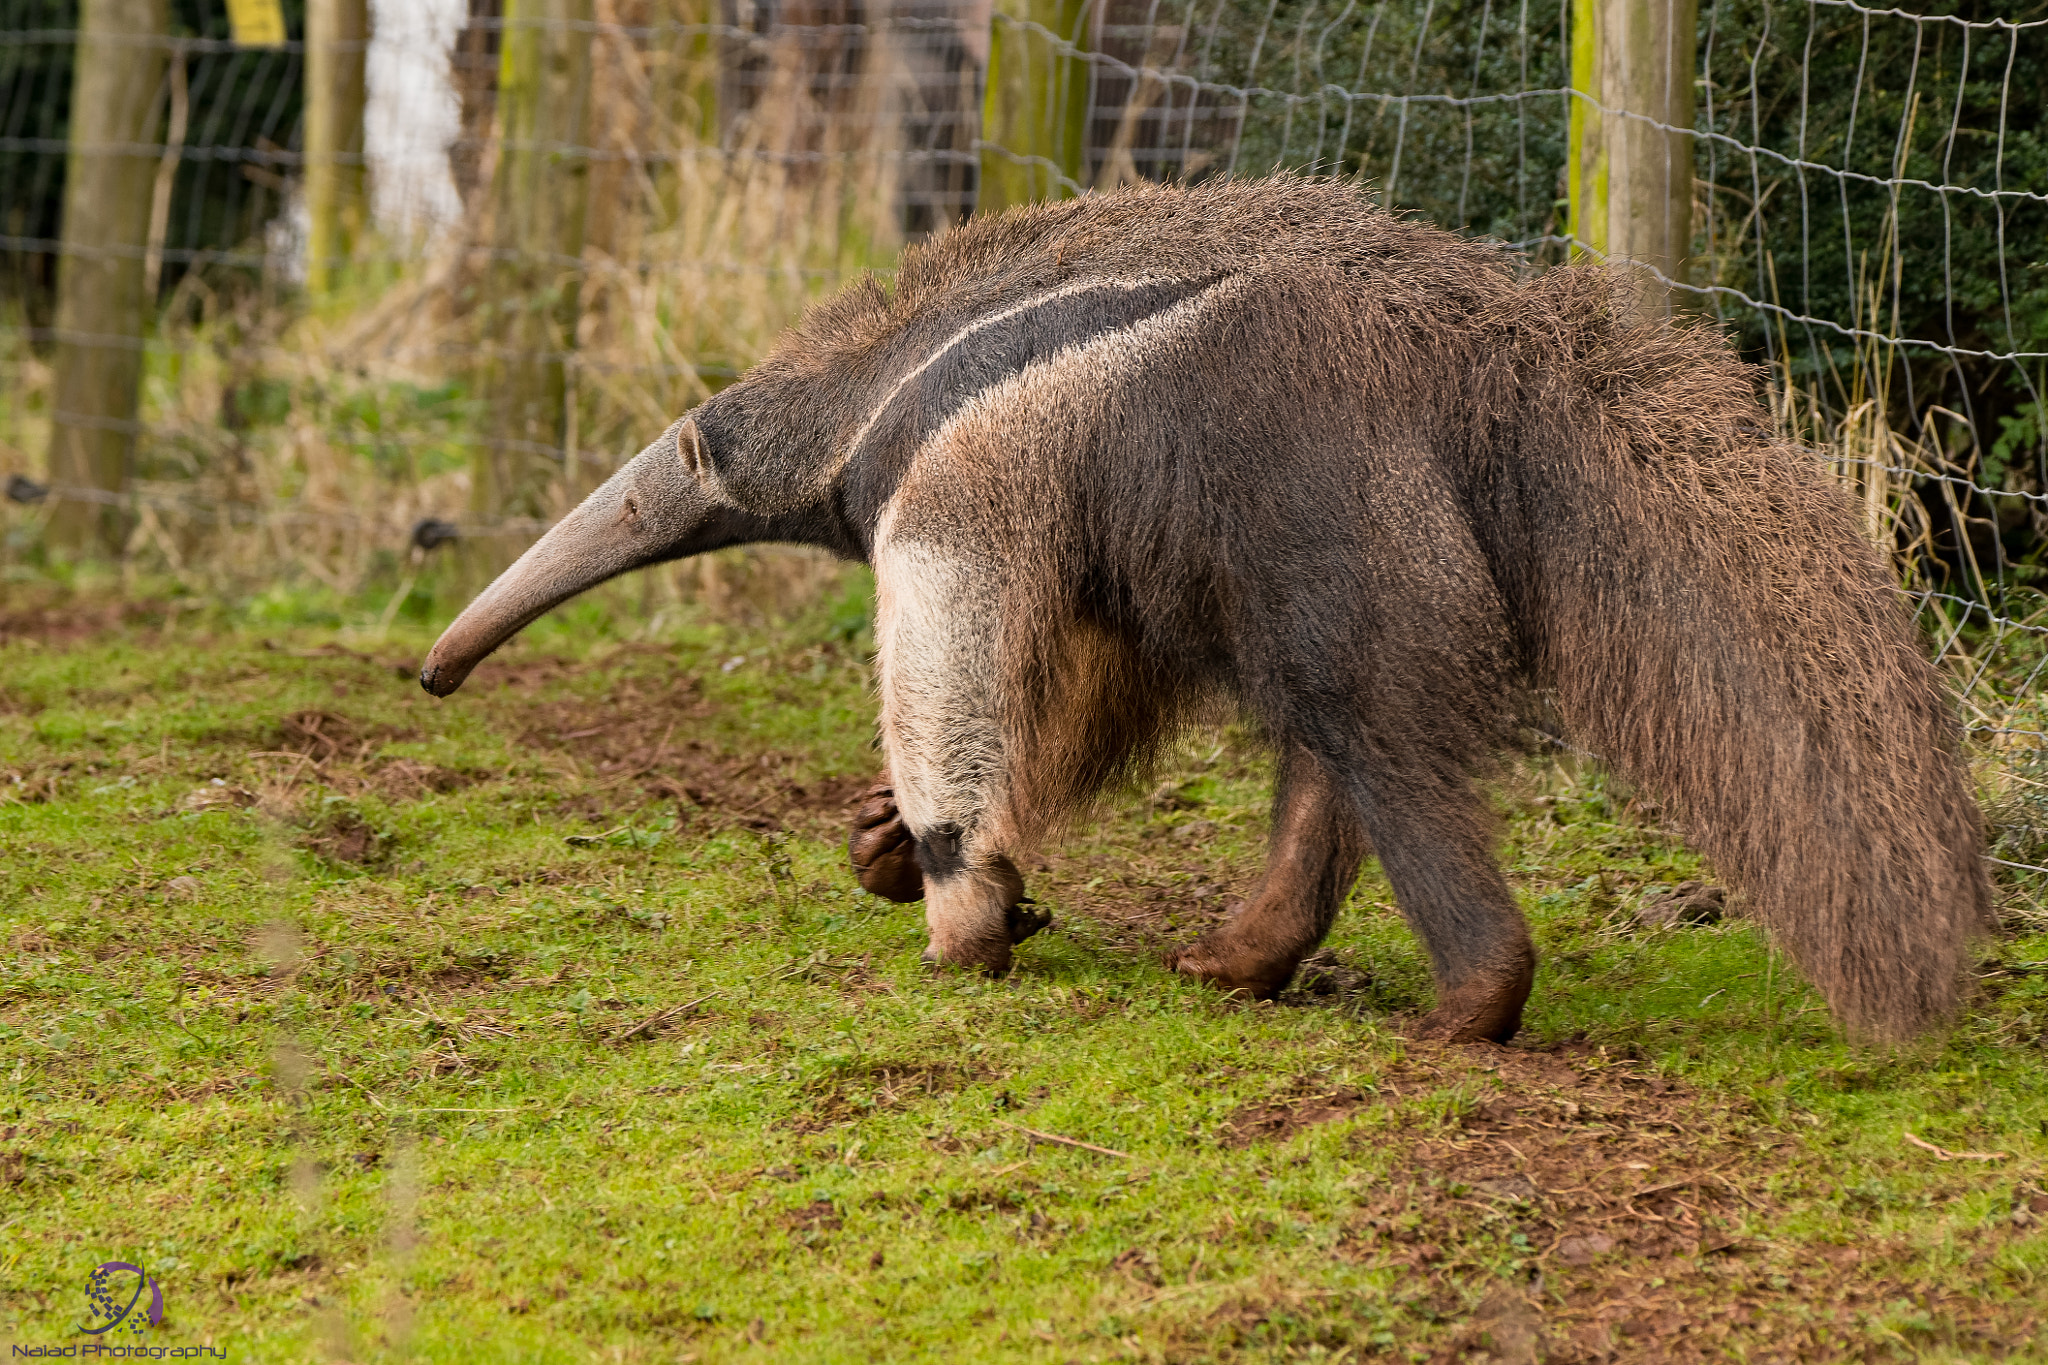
[[340, 323]]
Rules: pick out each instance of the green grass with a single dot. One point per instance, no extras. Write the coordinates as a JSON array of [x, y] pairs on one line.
[[319, 1000]]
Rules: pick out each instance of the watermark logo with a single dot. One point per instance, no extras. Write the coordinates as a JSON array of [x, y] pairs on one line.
[[117, 1307], [111, 1298]]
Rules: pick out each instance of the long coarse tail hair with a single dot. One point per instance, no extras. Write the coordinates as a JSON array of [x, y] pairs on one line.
[[1698, 599]]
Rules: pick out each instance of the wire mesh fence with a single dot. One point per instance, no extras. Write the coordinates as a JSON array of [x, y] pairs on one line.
[[570, 220]]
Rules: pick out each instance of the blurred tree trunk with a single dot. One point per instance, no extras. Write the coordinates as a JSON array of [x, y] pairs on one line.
[[337, 49], [1034, 121], [1630, 179], [102, 311], [540, 194]]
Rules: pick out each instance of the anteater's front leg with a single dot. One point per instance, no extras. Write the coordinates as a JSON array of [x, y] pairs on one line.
[[885, 859], [975, 911], [1317, 847], [881, 847], [938, 635]]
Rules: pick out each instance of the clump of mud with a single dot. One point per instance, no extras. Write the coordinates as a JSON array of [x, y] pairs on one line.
[[345, 837]]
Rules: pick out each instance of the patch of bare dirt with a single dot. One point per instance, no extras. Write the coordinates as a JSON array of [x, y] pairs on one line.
[[339, 752], [324, 736], [30, 939], [193, 1092], [72, 622], [820, 1215], [447, 1058], [986, 1199], [415, 979], [1282, 1119], [1507, 1326], [1589, 1158], [636, 739], [399, 668], [35, 784], [517, 671], [1635, 1203], [345, 837], [1161, 896], [410, 779]]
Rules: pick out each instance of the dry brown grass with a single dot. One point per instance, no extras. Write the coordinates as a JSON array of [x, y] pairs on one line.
[[284, 441]]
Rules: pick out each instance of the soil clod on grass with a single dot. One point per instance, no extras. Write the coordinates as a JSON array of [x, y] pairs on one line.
[[346, 837], [1686, 903]]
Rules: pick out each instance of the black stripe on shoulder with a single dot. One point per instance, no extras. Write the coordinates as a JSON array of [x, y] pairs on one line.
[[985, 357]]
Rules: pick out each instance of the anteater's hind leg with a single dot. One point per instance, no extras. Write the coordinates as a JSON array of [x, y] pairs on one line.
[[1313, 859], [1434, 840], [1434, 845]]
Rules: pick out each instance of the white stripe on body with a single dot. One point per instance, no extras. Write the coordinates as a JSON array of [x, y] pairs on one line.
[[1095, 366], [967, 333]]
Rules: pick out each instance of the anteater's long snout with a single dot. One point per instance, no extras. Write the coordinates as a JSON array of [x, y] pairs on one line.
[[652, 510]]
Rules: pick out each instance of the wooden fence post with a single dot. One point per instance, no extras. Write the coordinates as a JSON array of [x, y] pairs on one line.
[[337, 49], [102, 312], [1630, 178], [1034, 119], [540, 197]]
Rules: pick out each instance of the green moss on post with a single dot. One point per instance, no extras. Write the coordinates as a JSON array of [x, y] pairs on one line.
[[337, 48], [1630, 168], [1586, 160], [117, 104], [1034, 120]]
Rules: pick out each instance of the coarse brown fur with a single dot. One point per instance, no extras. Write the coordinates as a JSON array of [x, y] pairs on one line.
[[1117, 457]]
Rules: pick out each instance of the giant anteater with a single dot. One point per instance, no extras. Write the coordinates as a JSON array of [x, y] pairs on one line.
[[1116, 457]]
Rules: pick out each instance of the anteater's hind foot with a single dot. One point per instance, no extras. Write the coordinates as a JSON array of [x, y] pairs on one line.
[[1485, 1007], [1316, 850], [1223, 961]]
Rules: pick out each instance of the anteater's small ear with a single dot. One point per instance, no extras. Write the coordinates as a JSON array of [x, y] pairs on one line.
[[694, 454]]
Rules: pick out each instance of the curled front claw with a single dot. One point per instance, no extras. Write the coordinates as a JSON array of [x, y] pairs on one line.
[[1026, 918], [881, 847]]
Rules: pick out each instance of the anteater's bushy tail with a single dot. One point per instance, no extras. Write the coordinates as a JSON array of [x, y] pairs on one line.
[[1699, 598]]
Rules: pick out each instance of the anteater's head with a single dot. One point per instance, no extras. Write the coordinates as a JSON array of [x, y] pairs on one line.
[[668, 502]]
